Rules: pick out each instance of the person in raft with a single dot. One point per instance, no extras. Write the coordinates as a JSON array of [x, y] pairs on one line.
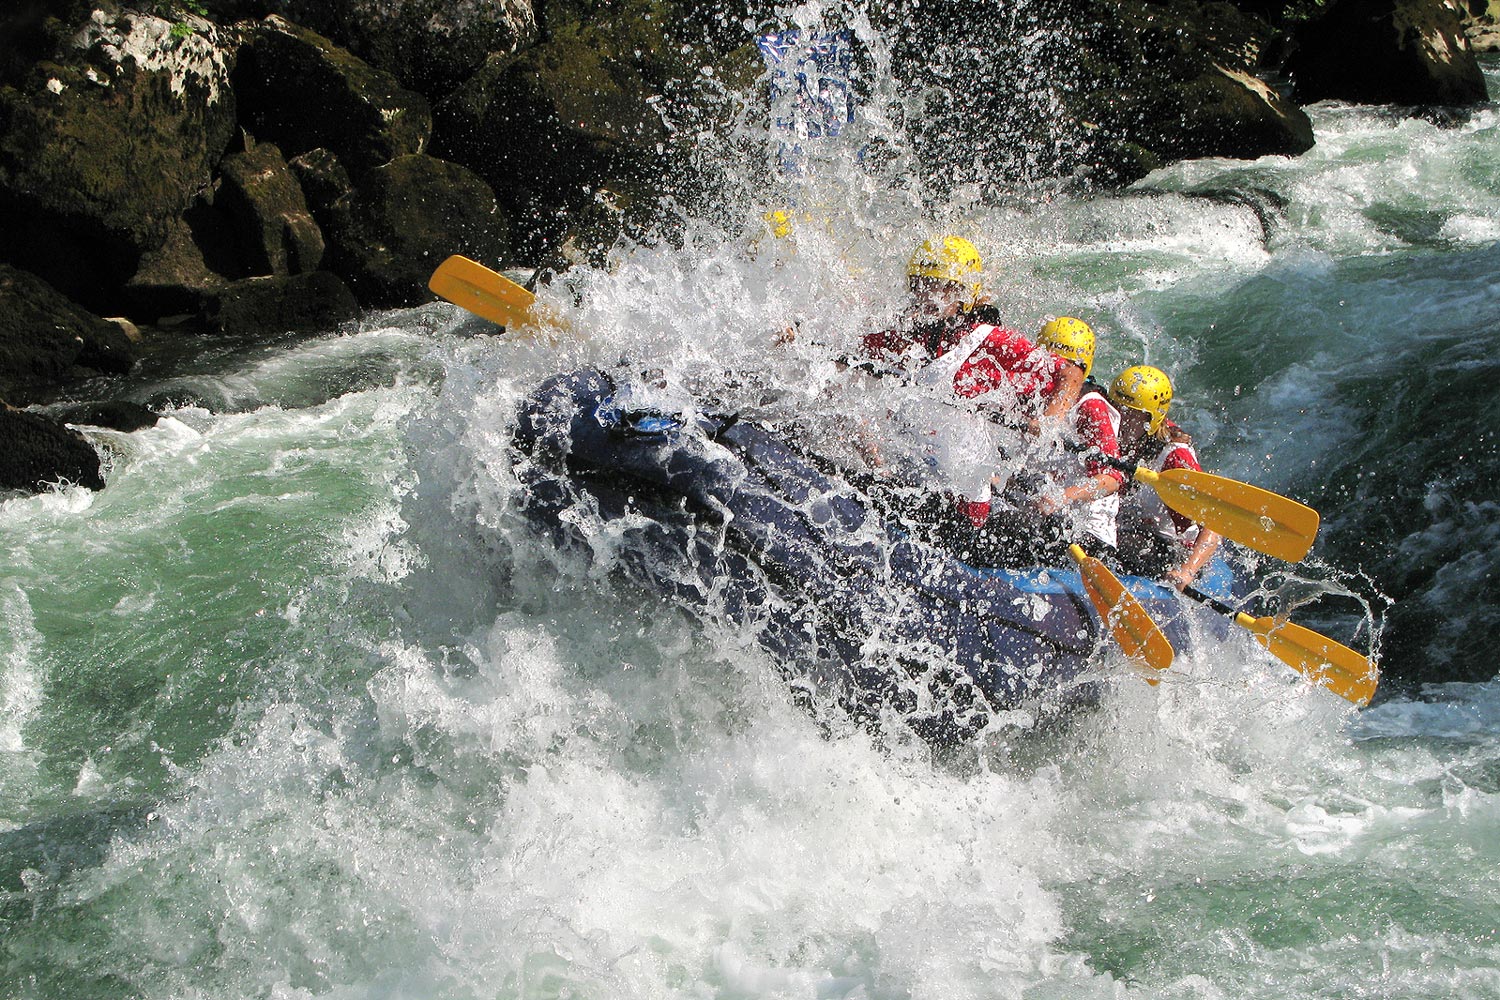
[[950, 319], [1153, 539], [1068, 493], [952, 342]]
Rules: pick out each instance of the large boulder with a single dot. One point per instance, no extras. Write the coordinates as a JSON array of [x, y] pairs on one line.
[[576, 129], [40, 451], [45, 337], [254, 221], [1408, 52], [264, 202], [1177, 80], [431, 46], [282, 303], [300, 91], [387, 235], [106, 141]]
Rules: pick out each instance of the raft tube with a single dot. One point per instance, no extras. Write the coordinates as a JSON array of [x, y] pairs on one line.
[[742, 526]]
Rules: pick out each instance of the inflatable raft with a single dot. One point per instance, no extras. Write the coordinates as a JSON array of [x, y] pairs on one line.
[[730, 519]]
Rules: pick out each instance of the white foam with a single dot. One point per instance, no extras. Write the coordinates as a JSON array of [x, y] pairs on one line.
[[21, 679], [1446, 711]]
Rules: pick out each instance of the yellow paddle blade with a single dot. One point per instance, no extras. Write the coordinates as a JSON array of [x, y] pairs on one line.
[[1130, 623], [1265, 521], [1317, 657], [482, 291]]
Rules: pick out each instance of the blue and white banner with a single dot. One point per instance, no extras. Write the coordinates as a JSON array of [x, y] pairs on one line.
[[810, 81]]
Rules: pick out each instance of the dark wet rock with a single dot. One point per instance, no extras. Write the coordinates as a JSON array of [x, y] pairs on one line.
[[33, 31], [1407, 52], [386, 237], [45, 337], [429, 45], [106, 141], [591, 124], [325, 182], [193, 263], [274, 304], [1178, 80], [300, 91], [117, 415], [265, 205], [40, 451]]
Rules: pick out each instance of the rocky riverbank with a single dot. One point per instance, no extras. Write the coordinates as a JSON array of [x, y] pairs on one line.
[[256, 166]]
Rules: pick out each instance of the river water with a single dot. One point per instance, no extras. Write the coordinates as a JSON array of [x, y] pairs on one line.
[[299, 707]]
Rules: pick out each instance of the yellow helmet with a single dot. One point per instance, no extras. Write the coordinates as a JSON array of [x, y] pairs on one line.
[[951, 258], [779, 222], [1146, 389], [1069, 338]]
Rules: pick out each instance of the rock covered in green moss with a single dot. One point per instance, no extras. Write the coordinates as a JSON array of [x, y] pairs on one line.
[[598, 114], [388, 234], [104, 143], [264, 202]]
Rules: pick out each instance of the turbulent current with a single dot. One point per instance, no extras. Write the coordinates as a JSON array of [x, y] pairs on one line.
[[298, 706]]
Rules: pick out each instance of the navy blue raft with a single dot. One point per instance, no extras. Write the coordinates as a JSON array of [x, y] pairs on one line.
[[735, 522]]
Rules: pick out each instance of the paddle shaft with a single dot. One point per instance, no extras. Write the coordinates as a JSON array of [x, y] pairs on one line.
[[1218, 605]]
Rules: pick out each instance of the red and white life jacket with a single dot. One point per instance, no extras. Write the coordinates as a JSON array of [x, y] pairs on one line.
[[1145, 508], [1066, 468]]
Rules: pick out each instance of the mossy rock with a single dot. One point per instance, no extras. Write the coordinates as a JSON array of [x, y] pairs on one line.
[[197, 259], [584, 112], [264, 203], [300, 91], [104, 144], [403, 219]]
